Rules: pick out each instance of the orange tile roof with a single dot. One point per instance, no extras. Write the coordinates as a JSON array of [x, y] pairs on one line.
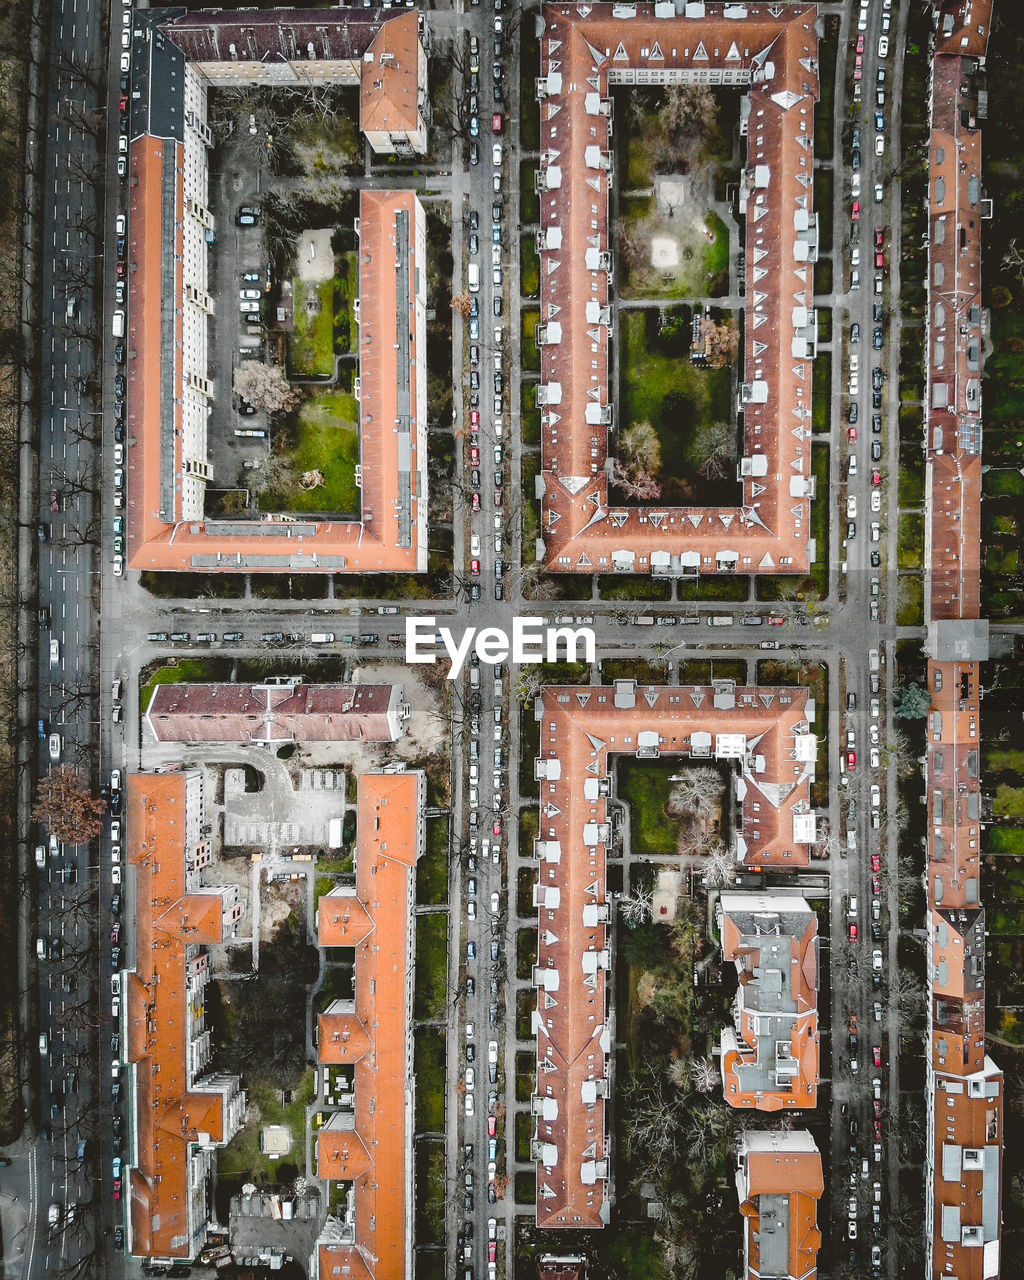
[[158, 538], [172, 1110], [964, 1093], [583, 51], [780, 1181], [371, 1146], [773, 942], [389, 84], [581, 728]]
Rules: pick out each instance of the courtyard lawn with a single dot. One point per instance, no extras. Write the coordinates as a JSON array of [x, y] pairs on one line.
[[645, 786], [311, 347], [242, 1156], [703, 254], [327, 439], [671, 394]]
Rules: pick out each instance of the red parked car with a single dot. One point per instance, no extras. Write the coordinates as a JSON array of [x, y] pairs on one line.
[[876, 862], [474, 420], [476, 501], [851, 759], [851, 435], [879, 238], [491, 1129], [855, 211], [474, 456], [496, 829], [876, 1054], [496, 122], [474, 568], [852, 930]]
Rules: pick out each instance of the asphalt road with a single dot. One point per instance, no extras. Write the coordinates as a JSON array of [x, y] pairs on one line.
[[72, 245]]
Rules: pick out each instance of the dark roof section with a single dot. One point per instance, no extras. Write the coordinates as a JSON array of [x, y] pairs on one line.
[[158, 79], [264, 35]]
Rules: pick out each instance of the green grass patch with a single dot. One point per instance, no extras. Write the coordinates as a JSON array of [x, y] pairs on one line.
[[429, 1068], [530, 425], [821, 387], [910, 601], [826, 92], [431, 967], [1001, 919], [526, 1003], [432, 868], [823, 268], [1008, 840], [529, 204], [997, 758], [526, 1187], [529, 69], [1008, 801], [526, 952], [716, 586], [645, 786], [1003, 484], [530, 353], [910, 542], [524, 1134], [823, 203], [646, 590], [529, 266], [530, 506], [242, 1155], [658, 384], [638, 669], [324, 318], [184, 670], [430, 1193], [326, 439], [911, 474]]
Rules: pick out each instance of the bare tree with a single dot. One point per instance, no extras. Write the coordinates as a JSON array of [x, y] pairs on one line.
[[713, 449], [706, 1077], [636, 907], [696, 792], [635, 484], [264, 386]]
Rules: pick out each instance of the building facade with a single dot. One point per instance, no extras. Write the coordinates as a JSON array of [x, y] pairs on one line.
[[180, 1110], [365, 1043]]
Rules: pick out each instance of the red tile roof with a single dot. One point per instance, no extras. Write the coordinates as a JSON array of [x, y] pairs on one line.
[[965, 1088], [583, 51], [180, 712], [581, 728], [177, 1111], [371, 1146]]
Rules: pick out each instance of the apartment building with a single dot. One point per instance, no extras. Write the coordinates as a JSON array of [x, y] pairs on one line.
[[288, 711], [379, 50], [771, 51], [180, 1110], [779, 1180], [169, 305], [964, 1090], [763, 738], [365, 1042], [769, 1057]]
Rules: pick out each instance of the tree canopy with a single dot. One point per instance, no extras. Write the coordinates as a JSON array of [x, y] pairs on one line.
[[66, 806]]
